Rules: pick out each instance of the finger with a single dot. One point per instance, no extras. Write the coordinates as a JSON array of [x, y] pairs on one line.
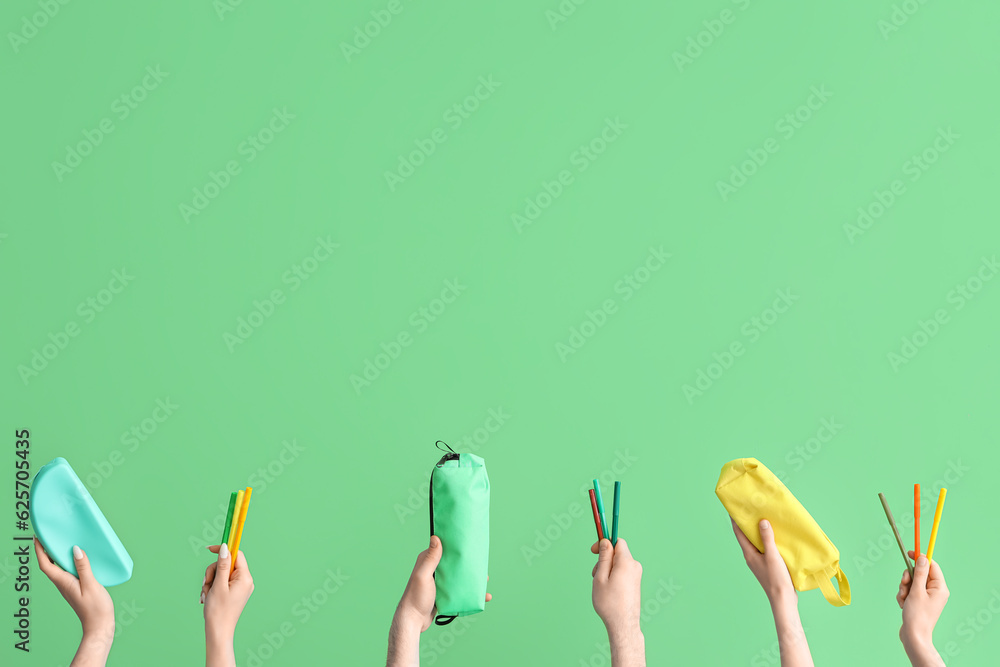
[[604, 558], [748, 548], [904, 588], [594, 571], [622, 551], [214, 548], [206, 583], [767, 537], [595, 548], [429, 558], [935, 578], [62, 579], [242, 570], [83, 571], [223, 567], [920, 573], [488, 597]]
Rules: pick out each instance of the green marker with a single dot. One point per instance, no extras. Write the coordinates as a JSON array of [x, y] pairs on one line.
[[600, 507], [229, 519], [614, 515]]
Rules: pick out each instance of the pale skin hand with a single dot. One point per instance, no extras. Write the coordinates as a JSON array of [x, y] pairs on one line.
[[617, 600], [772, 573], [89, 600], [922, 601], [224, 593], [416, 610]]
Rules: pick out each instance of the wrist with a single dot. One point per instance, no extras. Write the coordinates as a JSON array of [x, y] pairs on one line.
[[98, 639], [916, 645], [783, 598]]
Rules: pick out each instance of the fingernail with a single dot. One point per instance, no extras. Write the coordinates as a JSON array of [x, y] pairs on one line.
[[765, 524], [922, 560], [604, 545], [224, 551], [203, 598], [77, 552], [204, 580]]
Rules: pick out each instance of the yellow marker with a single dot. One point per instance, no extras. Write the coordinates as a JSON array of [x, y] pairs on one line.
[[937, 522], [239, 526], [232, 531]]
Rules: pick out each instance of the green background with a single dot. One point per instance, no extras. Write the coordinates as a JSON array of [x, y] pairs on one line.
[[336, 505]]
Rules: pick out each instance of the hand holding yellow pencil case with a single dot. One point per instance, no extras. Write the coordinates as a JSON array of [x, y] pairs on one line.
[[750, 492]]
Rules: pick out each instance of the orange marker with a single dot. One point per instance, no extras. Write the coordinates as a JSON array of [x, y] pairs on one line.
[[238, 529], [916, 525]]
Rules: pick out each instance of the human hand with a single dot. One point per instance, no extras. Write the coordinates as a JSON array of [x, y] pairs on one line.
[[922, 600], [616, 591], [768, 567], [416, 607], [225, 592], [85, 595]]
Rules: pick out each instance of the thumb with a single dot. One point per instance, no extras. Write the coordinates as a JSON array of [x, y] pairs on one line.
[[430, 557], [767, 537], [604, 557], [224, 567], [83, 571], [920, 573]]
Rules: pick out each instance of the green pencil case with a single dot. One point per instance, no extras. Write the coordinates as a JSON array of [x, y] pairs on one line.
[[64, 514], [459, 499]]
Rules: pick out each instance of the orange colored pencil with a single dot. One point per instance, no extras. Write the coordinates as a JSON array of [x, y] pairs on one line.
[[916, 524]]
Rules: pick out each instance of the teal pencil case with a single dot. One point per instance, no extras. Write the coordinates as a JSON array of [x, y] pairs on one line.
[[64, 514]]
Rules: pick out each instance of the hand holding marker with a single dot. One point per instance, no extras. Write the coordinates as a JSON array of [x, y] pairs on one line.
[[239, 503], [916, 528]]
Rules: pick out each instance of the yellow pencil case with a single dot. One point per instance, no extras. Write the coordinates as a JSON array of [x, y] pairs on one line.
[[750, 492]]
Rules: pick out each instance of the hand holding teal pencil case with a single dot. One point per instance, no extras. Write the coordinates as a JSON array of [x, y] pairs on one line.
[[460, 517], [64, 514]]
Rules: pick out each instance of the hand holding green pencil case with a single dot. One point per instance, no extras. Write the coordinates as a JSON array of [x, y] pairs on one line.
[[64, 514], [750, 492], [460, 516]]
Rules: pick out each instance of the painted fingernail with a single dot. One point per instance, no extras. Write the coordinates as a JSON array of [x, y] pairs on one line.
[[77, 552], [203, 598], [204, 580], [224, 551]]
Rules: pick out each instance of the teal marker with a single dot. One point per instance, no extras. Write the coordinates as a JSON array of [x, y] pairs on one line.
[[600, 507], [614, 514]]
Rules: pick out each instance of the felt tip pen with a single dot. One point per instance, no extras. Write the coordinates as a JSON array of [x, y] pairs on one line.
[[600, 508], [614, 514]]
